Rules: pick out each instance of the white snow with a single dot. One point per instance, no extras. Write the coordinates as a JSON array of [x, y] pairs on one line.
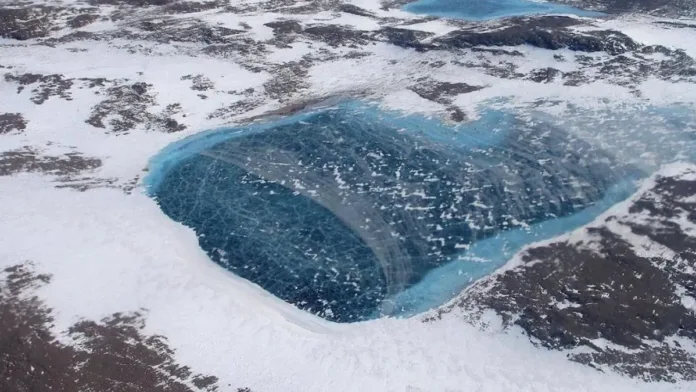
[[646, 31]]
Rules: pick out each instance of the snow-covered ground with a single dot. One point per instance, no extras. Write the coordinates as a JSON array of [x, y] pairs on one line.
[[111, 252], [110, 248]]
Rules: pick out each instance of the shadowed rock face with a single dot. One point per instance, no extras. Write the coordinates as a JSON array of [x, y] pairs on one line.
[[112, 354], [406, 38], [679, 25], [630, 281]]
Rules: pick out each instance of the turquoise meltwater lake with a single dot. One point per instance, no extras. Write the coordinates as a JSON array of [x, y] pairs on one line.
[[352, 213], [480, 10]]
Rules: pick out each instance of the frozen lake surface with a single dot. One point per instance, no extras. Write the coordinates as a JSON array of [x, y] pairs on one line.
[[353, 213]]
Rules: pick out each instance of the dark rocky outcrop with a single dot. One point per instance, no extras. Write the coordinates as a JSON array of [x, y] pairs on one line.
[[82, 20], [679, 25], [612, 42], [169, 31], [25, 23], [355, 10], [544, 75], [127, 106], [287, 79], [442, 92], [335, 35], [282, 27], [547, 32], [31, 160], [405, 38], [113, 354], [47, 86], [12, 122], [199, 82]]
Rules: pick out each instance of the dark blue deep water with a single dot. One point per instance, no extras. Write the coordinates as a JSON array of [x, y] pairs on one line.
[[491, 9], [352, 213]]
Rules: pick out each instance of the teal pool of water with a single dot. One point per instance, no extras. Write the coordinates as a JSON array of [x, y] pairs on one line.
[[478, 10]]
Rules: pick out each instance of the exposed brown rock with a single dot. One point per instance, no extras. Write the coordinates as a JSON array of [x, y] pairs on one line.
[[569, 294], [108, 355]]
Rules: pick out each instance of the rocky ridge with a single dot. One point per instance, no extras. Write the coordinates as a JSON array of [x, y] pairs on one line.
[[187, 28]]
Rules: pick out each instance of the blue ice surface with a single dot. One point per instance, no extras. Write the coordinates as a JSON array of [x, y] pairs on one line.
[[319, 252], [479, 10], [486, 131], [165, 159], [446, 282]]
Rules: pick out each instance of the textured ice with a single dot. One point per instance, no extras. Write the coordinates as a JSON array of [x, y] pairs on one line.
[[353, 213], [491, 9]]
